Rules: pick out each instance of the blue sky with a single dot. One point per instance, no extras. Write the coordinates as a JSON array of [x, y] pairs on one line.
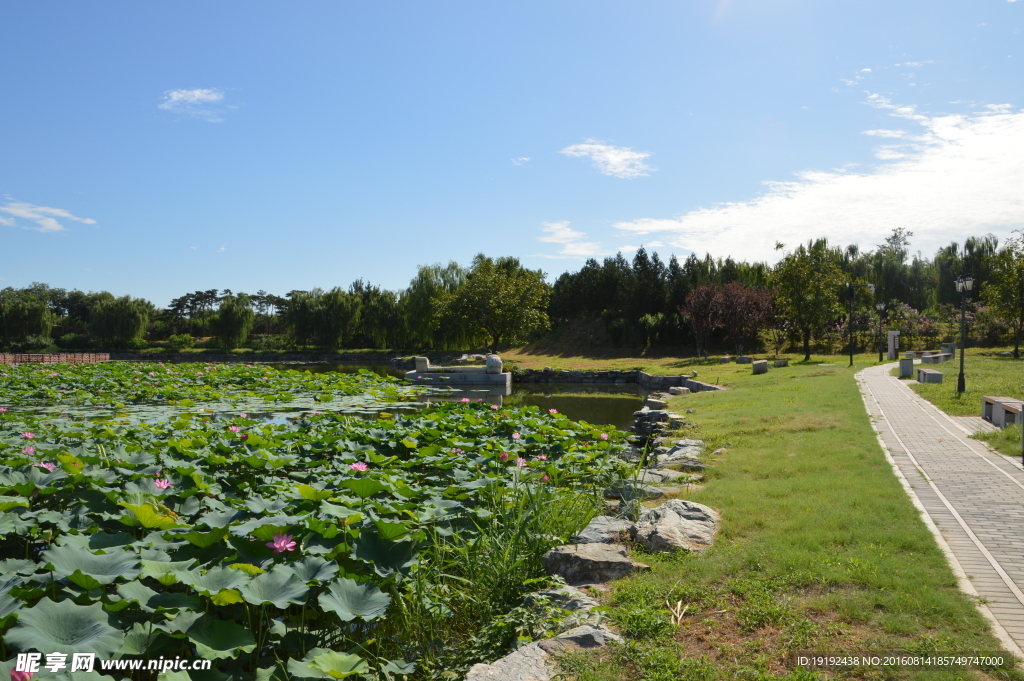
[[161, 148]]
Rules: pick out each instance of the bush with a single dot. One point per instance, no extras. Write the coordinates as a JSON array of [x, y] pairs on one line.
[[135, 344], [181, 341], [31, 344], [270, 343], [73, 341]]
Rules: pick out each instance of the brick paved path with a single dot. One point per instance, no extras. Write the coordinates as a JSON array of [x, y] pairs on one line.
[[970, 497]]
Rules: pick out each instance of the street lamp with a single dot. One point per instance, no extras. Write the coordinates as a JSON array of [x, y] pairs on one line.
[[850, 288], [963, 285], [881, 332]]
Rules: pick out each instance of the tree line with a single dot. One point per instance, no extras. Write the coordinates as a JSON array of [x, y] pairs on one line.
[[697, 303]]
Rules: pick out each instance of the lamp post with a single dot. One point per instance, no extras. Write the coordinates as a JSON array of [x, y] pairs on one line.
[[850, 289], [963, 285], [881, 332]]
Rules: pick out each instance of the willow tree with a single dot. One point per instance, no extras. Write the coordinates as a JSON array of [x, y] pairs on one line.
[[234, 321], [501, 299], [325, 318], [430, 325], [22, 316], [808, 283], [117, 322]]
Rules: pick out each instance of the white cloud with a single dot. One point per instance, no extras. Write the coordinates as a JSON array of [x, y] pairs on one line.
[[611, 160], [959, 176], [885, 133], [915, 64], [865, 70], [44, 218], [572, 241], [204, 104], [221, 249], [520, 160]]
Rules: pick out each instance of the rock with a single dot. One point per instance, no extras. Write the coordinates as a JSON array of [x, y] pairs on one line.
[[781, 363], [566, 597], [1006, 354], [586, 563], [693, 465], [530, 663], [690, 411], [494, 364], [678, 391], [719, 451], [603, 530], [761, 366], [627, 489], [677, 525], [656, 476], [655, 404], [724, 360], [585, 636], [744, 359], [682, 449]]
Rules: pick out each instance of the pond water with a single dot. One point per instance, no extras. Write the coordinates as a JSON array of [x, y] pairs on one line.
[[600, 405]]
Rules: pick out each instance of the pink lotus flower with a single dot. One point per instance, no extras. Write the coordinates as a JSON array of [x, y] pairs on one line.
[[48, 466], [359, 466], [234, 429], [243, 415], [520, 461], [516, 436], [3, 409], [282, 543], [465, 399], [52, 375], [136, 380], [29, 450], [542, 457], [503, 456], [21, 676], [28, 435], [552, 411], [604, 436], [162, 483], [494, 407], [244, 436], [545, 478]]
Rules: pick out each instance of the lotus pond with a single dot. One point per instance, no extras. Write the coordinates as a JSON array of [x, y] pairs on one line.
[[331, 545]]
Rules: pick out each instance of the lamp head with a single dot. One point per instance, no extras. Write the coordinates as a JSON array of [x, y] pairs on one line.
[[879, 306], [969, 282]]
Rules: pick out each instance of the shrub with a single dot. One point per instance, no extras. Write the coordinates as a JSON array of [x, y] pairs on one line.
[[181, 341], [73, 341]]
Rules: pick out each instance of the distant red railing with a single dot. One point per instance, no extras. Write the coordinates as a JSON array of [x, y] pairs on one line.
[[54, 358]]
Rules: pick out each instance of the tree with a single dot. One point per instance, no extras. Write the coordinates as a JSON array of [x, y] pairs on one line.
[[501, 299], [119, 322], [808, 281], [745, 312], [23, 315], [234, 321], [703, 310], [1004, 290], [325, 318], [427, 324]]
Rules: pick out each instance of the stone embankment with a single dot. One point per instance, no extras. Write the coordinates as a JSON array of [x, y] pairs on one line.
[[254, 357], [54, 358], [611, 377], [599, 553]]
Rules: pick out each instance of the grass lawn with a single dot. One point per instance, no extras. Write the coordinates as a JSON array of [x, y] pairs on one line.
[[820, 548], [984, 374]]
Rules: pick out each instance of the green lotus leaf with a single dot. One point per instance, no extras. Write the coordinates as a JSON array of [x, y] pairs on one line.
[[313, 494], [349, 599], [320, 663], [8, 605], [64, 627], [314, 568], [167, 573], [364, 488], [280, 586], [66, 560], [391, 531], [385, 556], [21, 566], [204, 539], [214, 580], [7, 503], [151, 517], [219, 639]]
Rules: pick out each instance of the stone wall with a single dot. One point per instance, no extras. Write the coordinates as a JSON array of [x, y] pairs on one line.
[[53, 358], [248, 358], [610, 377]]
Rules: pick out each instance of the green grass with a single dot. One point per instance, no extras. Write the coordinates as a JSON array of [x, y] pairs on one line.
[[820, 547], [983, 375]]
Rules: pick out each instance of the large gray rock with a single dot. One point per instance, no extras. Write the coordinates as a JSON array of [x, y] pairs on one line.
[[602, 530], [655, 403], [564, 596], [677, 525], [659, 476], [589, 563], [530, 663], [493, 364], [682, 449], [761, 366]]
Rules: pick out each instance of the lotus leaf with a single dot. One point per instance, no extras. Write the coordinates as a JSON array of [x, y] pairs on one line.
[[103, 568], [312, 568], [385, 556], [214, 580], [64, 627], [349, 599], [280, 586], [220, 638]]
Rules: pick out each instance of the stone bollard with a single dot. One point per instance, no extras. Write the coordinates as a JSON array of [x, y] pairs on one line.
[[744, 359], [761, 366], [422, 364], [494, 364], [781, 363], [724, 360], [906, 368], [676, 390]]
